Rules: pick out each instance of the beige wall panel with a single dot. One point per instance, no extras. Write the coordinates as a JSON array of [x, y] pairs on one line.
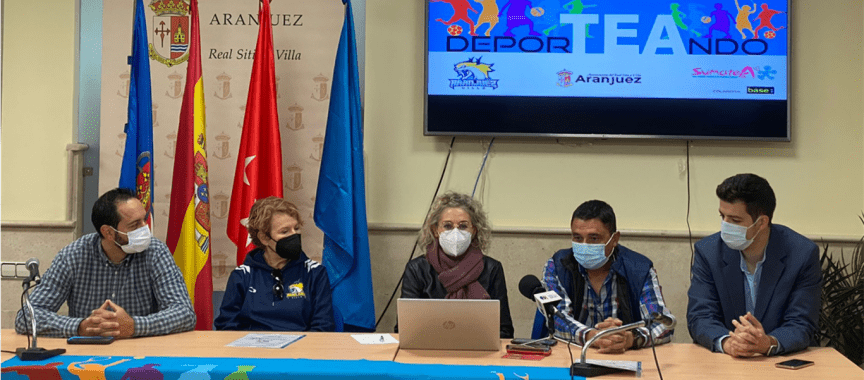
[[20, 244], [37, 99]]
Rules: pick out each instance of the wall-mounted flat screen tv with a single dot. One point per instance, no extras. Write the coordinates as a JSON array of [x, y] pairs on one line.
[[688, 69]]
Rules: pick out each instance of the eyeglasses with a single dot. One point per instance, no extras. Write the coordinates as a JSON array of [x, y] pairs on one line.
[[447, 226], [278, 288]]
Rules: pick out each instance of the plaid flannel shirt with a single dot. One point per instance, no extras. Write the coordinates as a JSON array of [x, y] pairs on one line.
[[148, 285], [598, 307]]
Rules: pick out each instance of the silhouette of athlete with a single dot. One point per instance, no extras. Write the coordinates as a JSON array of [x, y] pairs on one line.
[[696, 26], [460, 12], [678, 16], [764, 18], [489, 15], [516, 17], [721, 21], [145, 372], [90, 369], [240, 373], [742, 21], [47, 371], [575, 7]]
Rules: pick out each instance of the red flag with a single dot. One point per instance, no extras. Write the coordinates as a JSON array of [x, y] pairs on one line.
[[189, 218], [259, 163]]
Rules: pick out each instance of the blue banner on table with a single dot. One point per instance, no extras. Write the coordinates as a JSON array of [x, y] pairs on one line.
[[137, 170], [340, 202], [177, 368]]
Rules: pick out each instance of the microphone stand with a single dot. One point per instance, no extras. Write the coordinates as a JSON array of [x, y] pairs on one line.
[[584, 369], [33, 352], [548, 340]]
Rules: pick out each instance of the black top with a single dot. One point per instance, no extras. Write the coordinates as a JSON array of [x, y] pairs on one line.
[[421, 281]]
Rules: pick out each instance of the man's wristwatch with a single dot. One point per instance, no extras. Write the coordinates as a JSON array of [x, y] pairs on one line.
[[772, 350]]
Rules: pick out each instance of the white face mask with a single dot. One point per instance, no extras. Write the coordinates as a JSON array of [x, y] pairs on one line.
[[735, 236], [139, 240], [454, 242]]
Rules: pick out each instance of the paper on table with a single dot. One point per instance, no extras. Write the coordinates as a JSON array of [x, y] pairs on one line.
[[374, 338], [620, 364], [265, 340]]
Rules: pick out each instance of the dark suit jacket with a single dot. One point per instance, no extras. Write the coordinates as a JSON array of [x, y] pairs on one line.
[[788, 299]]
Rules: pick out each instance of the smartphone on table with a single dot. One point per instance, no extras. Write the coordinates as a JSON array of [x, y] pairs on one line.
[[90, 340], [794, 364], [525, 349]]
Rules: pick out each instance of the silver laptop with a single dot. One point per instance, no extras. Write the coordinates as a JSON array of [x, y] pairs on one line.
[[436, 324]]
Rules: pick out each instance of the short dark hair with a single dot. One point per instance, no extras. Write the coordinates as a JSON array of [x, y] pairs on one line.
[[105, 208], [751, 189], [595, 209]]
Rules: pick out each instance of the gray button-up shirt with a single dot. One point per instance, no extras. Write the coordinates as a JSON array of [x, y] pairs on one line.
[[148, 285]]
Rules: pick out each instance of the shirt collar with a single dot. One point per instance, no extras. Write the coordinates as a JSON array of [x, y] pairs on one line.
[[104, 256], [743, 262]]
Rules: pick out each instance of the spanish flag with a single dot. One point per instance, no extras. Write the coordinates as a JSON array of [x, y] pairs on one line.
[[189, 218]]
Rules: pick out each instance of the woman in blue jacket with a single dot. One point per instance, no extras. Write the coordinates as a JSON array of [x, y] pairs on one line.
[[278, 288]]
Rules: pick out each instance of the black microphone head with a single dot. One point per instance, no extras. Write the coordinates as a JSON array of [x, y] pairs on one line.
[[529, 286]]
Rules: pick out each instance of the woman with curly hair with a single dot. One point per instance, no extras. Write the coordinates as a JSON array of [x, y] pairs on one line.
[[454, 267]]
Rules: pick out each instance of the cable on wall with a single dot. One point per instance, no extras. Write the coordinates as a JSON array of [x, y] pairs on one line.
[[482, 165], [689, 230]]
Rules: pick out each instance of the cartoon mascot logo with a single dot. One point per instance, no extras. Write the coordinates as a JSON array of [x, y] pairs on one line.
[[473, 74]]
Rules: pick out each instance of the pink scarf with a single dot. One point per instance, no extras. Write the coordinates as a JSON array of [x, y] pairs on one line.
[[458, 274]]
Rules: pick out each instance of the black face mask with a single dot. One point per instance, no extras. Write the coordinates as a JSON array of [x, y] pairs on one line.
[[289, 248]]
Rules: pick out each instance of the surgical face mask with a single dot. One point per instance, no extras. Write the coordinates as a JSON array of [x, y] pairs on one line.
[[735, 236], [289, 247], [454, 242], [139, 240], [591, 256]]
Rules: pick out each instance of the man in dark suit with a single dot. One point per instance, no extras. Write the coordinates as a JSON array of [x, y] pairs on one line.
[[756, 286]]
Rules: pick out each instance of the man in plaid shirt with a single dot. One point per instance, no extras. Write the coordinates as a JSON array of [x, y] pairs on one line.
[[604, 285], [119, 282]]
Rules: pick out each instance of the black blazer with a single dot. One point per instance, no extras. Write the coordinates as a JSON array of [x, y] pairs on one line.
[[420, 280]]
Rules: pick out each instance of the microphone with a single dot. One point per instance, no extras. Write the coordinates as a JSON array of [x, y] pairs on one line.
[[32, 265], [33, 352], [530, 285], [531, 288], [547, 301]]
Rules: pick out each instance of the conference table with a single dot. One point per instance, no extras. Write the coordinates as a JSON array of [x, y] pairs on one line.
[[205, 355]]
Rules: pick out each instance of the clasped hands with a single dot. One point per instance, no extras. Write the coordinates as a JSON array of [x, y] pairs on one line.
[[749, 338], [615, 343], [108, 320]]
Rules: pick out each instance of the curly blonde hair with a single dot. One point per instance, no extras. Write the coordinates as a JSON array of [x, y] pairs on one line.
[[483, 230], [261, 215]]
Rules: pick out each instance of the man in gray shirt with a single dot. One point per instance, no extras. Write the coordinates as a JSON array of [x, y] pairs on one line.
[[119, 282]]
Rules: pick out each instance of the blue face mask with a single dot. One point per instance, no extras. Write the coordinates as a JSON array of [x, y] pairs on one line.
[[591, 256], [735, 236]]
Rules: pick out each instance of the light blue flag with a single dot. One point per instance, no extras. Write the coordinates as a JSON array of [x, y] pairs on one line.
[[340, 203], [137, 171]]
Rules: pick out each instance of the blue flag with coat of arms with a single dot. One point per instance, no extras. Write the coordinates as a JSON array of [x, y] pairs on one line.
[[136, 173]]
